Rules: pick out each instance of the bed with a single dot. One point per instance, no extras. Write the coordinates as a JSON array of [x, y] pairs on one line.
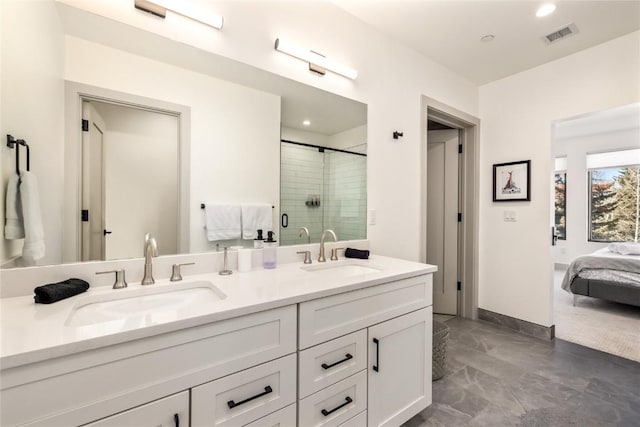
[[605, 275]]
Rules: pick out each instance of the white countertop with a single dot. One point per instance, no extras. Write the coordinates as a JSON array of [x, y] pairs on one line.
[[32, 332]]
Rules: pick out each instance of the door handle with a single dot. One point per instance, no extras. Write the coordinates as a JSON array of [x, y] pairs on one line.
[[266, 391], [346, 357], [347, 401], [105, 232], [376, 367]]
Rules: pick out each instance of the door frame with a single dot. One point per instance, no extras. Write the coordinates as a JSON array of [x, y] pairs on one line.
[[469, 127], [75, 94]]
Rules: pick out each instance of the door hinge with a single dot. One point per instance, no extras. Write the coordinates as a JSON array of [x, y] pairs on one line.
[[459, 148], [459, 286], [84, 215], [459, 216], [85, 125]]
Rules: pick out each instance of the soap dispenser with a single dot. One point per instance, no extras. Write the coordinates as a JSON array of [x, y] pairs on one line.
[[269, 251], [258, 241]]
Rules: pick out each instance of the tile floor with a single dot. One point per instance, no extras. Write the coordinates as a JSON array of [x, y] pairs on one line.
[[497, 377]]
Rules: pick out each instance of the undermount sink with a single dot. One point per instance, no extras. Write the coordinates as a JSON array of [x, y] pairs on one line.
[[155, 303], [341, 269]]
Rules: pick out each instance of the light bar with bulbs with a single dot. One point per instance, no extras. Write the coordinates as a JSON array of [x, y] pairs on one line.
[[159, 8], [316, 61]]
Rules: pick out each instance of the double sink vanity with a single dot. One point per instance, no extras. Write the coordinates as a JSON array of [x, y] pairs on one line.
[[341, 343]]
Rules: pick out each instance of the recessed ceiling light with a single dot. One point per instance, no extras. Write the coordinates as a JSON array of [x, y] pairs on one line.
[[306, 123], [545, 9], [487, 38]]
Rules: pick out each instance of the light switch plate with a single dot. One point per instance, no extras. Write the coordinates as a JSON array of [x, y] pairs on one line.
[[509, 216], [371, 217]]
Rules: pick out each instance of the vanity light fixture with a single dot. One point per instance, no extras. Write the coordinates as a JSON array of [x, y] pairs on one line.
[[159, 8], [317, 63]]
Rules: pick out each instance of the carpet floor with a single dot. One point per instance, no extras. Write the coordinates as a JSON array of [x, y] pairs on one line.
[[606, 326]]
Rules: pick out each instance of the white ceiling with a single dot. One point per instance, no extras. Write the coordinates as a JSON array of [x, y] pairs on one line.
[[449, 31]]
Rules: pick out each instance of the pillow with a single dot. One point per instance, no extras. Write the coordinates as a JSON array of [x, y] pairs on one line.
[[625, 248]]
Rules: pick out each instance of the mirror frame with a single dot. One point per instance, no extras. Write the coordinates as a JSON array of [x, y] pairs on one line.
[[75, 94]]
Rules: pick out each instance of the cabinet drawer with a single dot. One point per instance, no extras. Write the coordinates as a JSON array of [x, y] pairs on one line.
[[359, 420], [330, 362], [334, 404], [285, 417], [246, 396], [326, 318], [161, 413]]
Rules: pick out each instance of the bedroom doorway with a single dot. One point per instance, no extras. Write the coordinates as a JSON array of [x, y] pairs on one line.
[[595, 165], [460, 253]]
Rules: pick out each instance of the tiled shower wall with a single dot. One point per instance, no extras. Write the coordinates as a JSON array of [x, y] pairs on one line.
[[339, 179]]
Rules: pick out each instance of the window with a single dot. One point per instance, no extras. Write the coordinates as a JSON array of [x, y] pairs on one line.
[[614, 196], [561, 205]]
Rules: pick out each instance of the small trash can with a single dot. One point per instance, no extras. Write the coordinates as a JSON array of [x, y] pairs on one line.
[[440, 338]]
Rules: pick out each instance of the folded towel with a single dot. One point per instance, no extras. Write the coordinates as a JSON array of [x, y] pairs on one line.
[[356, 253], [625, 248], [256, 217], [53, 292], [33, 248], [14, 226], [222, 221]]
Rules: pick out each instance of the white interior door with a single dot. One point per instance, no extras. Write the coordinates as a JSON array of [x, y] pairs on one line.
[[93, 239], [442, 217]]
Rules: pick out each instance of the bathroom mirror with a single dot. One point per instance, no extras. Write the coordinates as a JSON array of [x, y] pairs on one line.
[[238, 119]]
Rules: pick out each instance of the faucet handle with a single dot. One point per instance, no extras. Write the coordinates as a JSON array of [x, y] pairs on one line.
[[334, 253], [120, 282], [307, 256], [175, 271]]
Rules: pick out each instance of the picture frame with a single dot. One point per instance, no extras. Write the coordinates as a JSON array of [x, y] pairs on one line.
[[512, 181]]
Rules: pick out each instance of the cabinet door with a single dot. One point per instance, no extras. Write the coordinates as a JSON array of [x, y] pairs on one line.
[[172, 411], [400, 368]]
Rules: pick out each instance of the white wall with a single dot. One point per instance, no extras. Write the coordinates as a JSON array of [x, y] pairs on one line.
[[516, 112], [352, 139], [613, 129], [32, 90], [392, 78]]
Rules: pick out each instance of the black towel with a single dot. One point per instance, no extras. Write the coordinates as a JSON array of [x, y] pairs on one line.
[[53, 292], [356, 253]]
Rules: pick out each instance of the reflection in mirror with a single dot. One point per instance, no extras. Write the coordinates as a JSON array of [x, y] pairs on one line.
[[322, 188], [129, 165], [238, 116]]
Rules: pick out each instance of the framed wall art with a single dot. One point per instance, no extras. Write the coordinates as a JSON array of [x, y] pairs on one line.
[[512, 181]]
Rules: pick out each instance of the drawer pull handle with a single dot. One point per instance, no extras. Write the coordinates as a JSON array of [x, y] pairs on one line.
[[376, 367], [266, 391], [176, 420], [347, 401], [346, 357]]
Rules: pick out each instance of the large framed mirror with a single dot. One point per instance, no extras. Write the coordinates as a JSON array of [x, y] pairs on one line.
[[238, 117]]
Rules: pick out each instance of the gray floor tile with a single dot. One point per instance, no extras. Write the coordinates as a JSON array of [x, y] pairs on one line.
[[496, 377]]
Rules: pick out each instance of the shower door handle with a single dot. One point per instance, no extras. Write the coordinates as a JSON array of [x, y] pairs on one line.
[[284, 221]]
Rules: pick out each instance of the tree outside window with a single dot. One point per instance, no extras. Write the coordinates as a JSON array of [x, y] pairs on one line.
[[561, 205], [615, 204]]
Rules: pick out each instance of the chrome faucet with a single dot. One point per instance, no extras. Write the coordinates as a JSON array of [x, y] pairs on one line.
[[150, 250], [305, 230], [321, 258]]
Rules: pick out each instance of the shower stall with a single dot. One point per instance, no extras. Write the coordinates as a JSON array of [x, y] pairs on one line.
[[320, 188]]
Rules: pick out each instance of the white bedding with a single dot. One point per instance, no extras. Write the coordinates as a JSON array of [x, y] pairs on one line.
[[604, 265]]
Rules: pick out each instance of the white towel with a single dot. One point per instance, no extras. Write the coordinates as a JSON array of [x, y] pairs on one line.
[[222, 221], [254, 217], [14, 226], [33, 248]]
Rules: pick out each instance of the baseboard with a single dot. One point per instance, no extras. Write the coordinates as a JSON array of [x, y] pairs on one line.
[[518, 325]]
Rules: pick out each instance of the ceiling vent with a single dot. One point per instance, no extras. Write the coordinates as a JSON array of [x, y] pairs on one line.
[[561, 34]]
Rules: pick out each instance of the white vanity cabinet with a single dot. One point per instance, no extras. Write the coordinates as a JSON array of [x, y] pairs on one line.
[[88, 386], [393, 367]]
